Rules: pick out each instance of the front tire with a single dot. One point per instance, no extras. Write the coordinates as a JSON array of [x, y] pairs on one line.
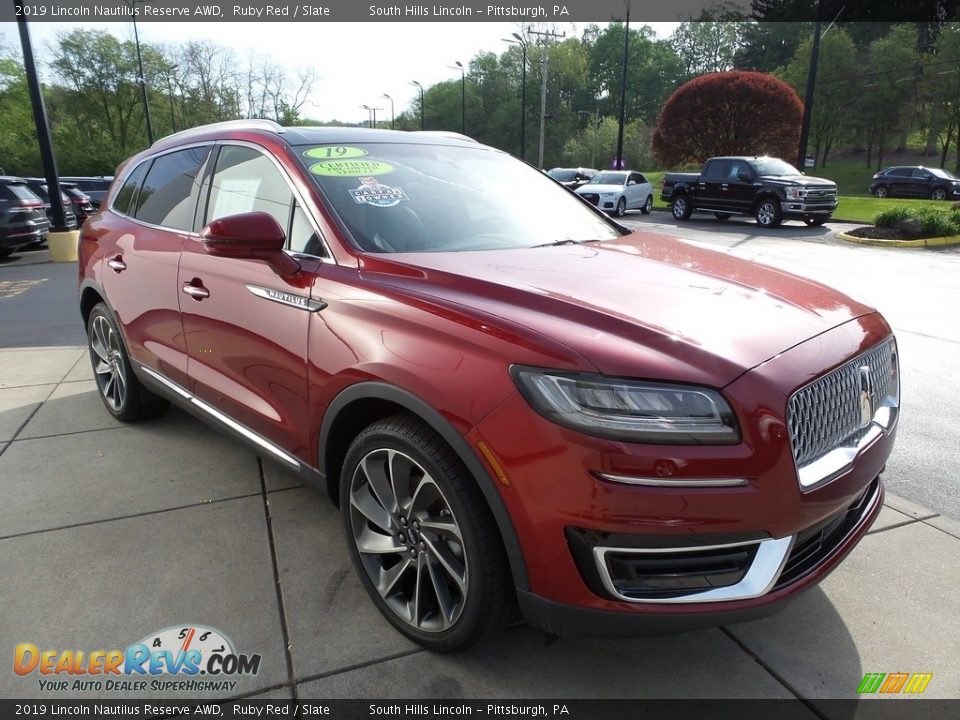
[[815, 221], [647, 206], [681, 208], [621, 207], [421, 536], [938, 194], [881, 192], [119, 389], [768, 213]]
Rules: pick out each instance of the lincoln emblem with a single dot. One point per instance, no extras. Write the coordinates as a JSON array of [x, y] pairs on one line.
[[866, 396]]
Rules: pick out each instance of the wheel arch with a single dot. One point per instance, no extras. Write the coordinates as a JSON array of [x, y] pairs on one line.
[[764, 195], [90, 296], [361, 404]]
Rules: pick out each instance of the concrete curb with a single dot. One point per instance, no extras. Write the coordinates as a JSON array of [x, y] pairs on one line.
[[921, 243]]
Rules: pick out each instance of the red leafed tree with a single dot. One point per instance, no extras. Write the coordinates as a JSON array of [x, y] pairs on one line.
[[729, 113]]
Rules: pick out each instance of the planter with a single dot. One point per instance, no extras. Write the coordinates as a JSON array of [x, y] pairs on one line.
[[919, 243], [63, 245]]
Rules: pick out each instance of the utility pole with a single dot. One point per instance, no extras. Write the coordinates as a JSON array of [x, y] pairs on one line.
[[40, 123], [811, 87], [547, 35], [618, 161], [132, 4], [523, 91]]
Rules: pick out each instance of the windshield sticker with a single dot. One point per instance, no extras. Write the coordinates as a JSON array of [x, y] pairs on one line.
[[374, 193], [335, 152], [351, 168]]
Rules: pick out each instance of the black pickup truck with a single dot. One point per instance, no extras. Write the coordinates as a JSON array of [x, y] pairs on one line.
[[769, 189]]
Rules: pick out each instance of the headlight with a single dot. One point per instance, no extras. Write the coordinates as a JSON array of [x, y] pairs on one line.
[[607, 194], [628, 410], [796, 193]]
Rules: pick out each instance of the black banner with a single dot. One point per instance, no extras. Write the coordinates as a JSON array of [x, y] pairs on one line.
[[551, 11], [890, 708]]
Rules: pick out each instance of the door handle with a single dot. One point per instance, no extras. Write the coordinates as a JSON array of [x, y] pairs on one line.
[[116, 264], [196, 290]]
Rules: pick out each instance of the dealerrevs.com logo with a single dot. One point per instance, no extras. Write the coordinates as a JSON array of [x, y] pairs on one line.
[[185, 658]]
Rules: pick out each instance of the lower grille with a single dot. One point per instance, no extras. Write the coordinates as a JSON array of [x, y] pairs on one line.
[[666, 575], [815, 544], [591, 198]]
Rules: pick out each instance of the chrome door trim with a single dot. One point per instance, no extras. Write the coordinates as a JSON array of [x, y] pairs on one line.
[[284, 298], [243, 430]]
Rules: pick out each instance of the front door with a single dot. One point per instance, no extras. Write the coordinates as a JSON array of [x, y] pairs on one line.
[[740, 188], [246, 325]]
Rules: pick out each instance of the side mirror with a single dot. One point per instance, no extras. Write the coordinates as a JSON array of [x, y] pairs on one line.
[[255, 235]]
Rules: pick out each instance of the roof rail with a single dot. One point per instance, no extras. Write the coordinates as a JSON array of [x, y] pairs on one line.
[[250, 124], [447, 134]]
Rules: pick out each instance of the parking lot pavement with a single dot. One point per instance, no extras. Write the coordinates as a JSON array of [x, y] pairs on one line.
[[110, 533]]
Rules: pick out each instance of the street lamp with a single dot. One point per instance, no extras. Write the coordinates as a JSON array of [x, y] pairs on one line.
[[416, 84], [140, 78], [523, 92], [463, 95], [369, 115], [173, 116], [618, 160], [393, 117]]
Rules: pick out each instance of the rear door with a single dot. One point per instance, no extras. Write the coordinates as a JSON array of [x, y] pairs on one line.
[[901, 180], [155, 208], [713, 190], [246, 335]]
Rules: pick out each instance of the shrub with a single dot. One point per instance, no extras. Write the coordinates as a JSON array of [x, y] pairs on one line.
[[937, 223], [892, 217]]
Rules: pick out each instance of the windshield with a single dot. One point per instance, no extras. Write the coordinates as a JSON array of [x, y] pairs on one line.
[[609, 178], [943, 173], [772, 166], [434, 198], [563, 175]]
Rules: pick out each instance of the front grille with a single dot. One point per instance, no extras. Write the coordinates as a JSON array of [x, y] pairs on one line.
[[815, 544], [591, 198], [821, 194], [827, 413]]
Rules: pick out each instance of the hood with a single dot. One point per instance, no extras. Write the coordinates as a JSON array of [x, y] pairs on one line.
[[643, 305], [797, 180], [599, 188]]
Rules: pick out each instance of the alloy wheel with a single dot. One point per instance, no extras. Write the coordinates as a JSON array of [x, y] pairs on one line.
[[108, 363], [939, 194], [765, 214], [409, 541], [679, 208], [880, 192]]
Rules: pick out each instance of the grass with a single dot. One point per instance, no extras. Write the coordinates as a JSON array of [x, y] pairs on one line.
[[865, 209]]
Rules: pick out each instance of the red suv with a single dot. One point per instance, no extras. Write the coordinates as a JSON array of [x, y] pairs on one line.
[[621, 433]]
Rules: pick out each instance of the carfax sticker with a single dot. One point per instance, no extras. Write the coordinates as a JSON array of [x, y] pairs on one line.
[[335, 152], [375, 193], [351, 168]]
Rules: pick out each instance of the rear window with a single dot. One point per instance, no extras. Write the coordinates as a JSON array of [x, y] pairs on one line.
[[121, 202], [563, 175], [168, 196], [18, 192]]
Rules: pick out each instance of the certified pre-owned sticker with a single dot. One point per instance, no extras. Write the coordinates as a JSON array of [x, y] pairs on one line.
[[335, 152], [351, 168], [374, 193]]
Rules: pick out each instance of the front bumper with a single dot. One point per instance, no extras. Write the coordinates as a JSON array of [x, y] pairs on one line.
[[552, 481], [801, 209]]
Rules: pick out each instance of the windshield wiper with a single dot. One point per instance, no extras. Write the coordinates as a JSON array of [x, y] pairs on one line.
[[566, 241]]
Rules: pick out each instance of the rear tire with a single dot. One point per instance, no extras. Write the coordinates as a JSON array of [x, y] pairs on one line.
[[815, 221], [768, 213], [421, 536], [5, 252], [119, 389], [681, 208]]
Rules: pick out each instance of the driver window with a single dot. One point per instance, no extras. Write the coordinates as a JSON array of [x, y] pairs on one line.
[[246, 181]]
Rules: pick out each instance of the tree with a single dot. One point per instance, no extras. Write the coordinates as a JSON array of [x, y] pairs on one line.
[[833, 100], [18, 139], [705, 47], [942, 80], [729, 113]]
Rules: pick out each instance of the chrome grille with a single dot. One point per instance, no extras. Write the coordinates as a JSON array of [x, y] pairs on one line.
[[826, 414]]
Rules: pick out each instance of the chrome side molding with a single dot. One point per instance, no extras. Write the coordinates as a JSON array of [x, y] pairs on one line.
[[246, 432], [284, 298], [680, 482]]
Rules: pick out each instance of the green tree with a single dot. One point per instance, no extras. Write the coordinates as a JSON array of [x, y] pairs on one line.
[[18, 140], [834, 98], [705, 47]]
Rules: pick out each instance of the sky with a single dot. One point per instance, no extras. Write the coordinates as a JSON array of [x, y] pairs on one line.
[[356, 63]]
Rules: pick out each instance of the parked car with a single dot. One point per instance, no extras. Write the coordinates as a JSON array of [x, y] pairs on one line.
[[768, 188], [95, 187], [915, 181], [572, 178], [623, 433], [617, 191], [82, 205], [38, 186], [22, 219]]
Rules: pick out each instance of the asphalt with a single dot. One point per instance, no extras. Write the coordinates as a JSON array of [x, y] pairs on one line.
[[109, 533]]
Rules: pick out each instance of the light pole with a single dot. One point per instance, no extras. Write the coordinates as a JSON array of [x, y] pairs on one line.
[[547, 36], [618, 160], [457, 65], [416, 84], [369, 115], [811, 86], [523, 92], [393, 116], [140, 79], [173, 116], [596, 127]]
